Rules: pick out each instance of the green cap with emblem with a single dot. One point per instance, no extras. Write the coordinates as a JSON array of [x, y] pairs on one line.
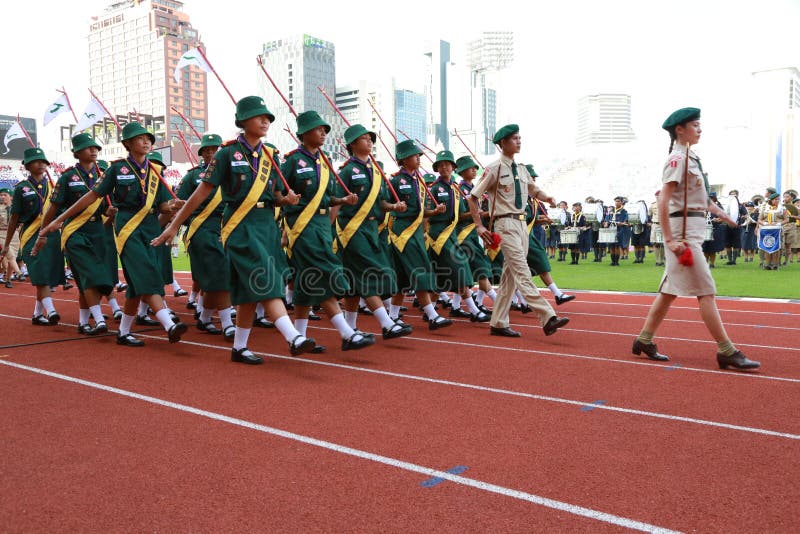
[[208, 140], [465, 162], [308, 120], [84, 140], [505, 131], [681, 116], [102, 164], [773, 196], [155, 157], [33, 154], [405, 149], [532, 172], [5, 190], [429, 178], [252, 106], [355, 131], [134, 129], [443, 155]]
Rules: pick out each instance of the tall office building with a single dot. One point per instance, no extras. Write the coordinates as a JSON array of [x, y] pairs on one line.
[[299, 65], [410, 115], [604, 118], [134, 46], [488, 56], [354, 102], [437, 69], [776, 123]]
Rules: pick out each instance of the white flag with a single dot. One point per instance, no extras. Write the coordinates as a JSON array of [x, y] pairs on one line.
[[15, 132], [190, 57], [56, 108], [94, 113]]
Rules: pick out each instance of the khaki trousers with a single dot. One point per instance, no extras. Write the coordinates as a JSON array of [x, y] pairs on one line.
[[516, 274]]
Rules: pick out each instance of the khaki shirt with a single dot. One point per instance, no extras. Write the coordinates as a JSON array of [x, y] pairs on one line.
[[654, 212], [501, 170], [674, 170]]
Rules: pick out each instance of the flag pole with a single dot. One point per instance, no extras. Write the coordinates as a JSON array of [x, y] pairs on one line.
[[189, 124], [200, 49], [138, 117], [471, 153], [113, 118], [64, 92], [289, 131], [187, 148], [33, 145]]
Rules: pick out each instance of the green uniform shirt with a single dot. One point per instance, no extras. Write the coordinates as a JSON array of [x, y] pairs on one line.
[[188, 185], [408, 189], [127, 193], [444, 194], [357, 176], [234, 170], [73, 184], [28, 200], [301, 170]]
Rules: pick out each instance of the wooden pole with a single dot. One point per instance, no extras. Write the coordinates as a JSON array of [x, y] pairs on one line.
[[200, 49]]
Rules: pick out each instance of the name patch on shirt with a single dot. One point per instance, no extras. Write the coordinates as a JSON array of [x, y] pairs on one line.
[[304, 169], [238, 164], [75, 184], [404, 187], [29, 193]]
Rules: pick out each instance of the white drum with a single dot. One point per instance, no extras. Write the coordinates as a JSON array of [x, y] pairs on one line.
[[569, 236], [658, 235], [593, 212], [709, 232], [733, 208], [558, 216], [607, 235]]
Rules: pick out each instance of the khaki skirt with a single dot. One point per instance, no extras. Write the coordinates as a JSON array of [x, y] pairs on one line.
[[682, 280]]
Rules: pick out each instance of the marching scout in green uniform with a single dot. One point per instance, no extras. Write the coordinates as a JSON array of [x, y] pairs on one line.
[[682, 206], [46, 269], [244, 169], [137, 191], [111, 256], [207, 259], [414, 269], [450, 264], [83, 236], [317, 272], [504, 180], [364, 259]]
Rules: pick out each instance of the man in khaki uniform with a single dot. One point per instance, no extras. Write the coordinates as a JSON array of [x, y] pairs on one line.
[[508, 185]]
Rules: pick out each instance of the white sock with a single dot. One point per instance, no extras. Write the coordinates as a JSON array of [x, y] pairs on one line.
[[444, 297], [47, 302], [198, 305], [351, 318], [514, 299], [387, 303], [286, 328], [175, 285], [83, 316], [97, 313], [428, 308], [38, 308], [114, 304], [301, 325], [492, 294], [554, 289], [164, 318], [341, 325], [521, 299], [142, 309], [259, 310], [205, 317], [125, 324], [481, 294], [394, 311], [225, 318], [472, 307], [289, 295], [383, 317], [456, 304], [240, 338], [362, 303], [193, 296]]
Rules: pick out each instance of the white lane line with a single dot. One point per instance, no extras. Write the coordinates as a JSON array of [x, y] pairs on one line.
[[668, 320], [364, 455], [677, 307]]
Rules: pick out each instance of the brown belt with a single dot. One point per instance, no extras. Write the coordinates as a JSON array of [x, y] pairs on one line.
[[688, 214], [519, 216]]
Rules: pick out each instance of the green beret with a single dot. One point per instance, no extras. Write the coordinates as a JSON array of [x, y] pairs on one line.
[[429, 178], [531, 171], [681, 116], [443, 155], [465, 162], [405, 149], [771, 190], [355, 131], [308, 120], [773, 196], [505, 131], [84, 140], [252, 106], [5, 190], [33, 154]]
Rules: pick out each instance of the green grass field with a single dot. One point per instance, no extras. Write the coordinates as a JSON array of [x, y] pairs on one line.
[[741, 280]]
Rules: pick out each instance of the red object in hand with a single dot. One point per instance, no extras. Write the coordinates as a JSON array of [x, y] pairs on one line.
[[686, 258], [494, 243]]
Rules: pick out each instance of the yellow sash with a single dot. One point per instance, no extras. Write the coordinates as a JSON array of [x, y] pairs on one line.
[[79, 221], [531, 225], [447, 232], [202, 216], [462, 235], [133, 223], [262, 177], [492, 253], [346, 234], [37, 222], [401, 240], [309, 211]]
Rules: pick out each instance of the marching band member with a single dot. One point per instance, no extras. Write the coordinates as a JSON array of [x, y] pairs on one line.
[[749, 240], [717, 242], [655, 226], [774, 214], [619, 217], [578, 220]]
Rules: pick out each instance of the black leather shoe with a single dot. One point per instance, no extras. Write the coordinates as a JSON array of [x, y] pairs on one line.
[[313, 316], [9, 285], [365, 341], [525, 309], [398, 330], [485, 310], [229, 333], [503, 331], [479, 318], [67, 286], [121, 287], [118, 315], [553, 324], [85, 329], [99, 328], [262, 322], [564, 298], [444, 303], [176, 331], [208, 328], [318, 349], [403, 308], [191, 305], [53, 318], [174, 317], [40, 320], [129, 341], [363, 310], [144, 320], [179, 293], [290, 307], [297, 347], [737, 360], [650, 350], [439, 322], [458, 312], [516, 307], [245, 356]]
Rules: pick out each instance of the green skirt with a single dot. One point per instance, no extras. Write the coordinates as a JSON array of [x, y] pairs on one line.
[[47, 267], [110, 258], [479, 262], [257, 268], [413, 265], [141, 262], [164, 254], [207, 259], [537, 256], [316, 271], [366, 265], [86, 252], [451, 266]]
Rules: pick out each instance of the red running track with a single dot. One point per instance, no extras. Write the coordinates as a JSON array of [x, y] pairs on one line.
[[562, 433]]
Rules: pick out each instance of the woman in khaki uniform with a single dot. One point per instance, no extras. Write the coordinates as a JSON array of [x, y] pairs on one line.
[[8, 263], [689, 186]]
